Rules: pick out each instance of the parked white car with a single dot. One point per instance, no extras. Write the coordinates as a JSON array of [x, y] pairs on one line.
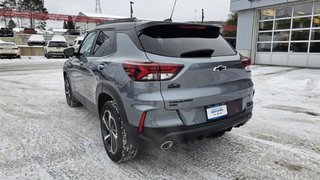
[[77, 43], [9, 49], [55, 47], [36, 40]]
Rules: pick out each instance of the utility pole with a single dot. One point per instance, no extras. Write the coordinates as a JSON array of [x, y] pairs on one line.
[[202, 15], [131, 9], [98, 7]]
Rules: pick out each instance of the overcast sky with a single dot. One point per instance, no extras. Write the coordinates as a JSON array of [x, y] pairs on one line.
[[148, 9]]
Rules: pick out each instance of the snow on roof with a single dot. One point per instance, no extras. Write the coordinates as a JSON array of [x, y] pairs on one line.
[[58, 38], [36, 38], [96, 15]]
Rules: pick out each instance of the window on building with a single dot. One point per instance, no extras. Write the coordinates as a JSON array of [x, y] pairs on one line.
[[316, 21], [301, 22], [281, 36], [267, 14], [315, 34], [266, 25], [300, 35], [317, 8], [299, 47], [264, 47], [282, 24], [315, 47], [280, 47], [294, 28], [266, 36], [284, 11], [303, 9]]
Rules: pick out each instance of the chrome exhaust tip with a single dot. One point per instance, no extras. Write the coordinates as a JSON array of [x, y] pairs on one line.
[[166, 145]]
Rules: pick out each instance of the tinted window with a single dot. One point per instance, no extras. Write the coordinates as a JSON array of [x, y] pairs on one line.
[[315, 47], [315, 34], [57, 44], [266, 25], [185, 41], [105, 43], [280, 47], [299, 47], [283, 24], [301, 22], [300, 35], [86, 46]]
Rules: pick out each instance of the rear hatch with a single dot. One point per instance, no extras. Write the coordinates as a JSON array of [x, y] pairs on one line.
[[212, 73]]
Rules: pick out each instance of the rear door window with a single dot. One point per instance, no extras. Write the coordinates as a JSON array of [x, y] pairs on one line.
[[105, 43], [194, 41], [87, 44]]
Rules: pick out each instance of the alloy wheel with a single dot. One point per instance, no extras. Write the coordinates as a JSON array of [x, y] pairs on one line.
[[110, 132]]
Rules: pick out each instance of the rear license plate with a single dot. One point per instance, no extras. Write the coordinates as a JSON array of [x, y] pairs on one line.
[[216, 111]]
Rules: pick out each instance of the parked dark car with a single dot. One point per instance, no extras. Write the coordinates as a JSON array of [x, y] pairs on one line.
[[6, 32], [29, 31], [73, 32], [158, 82]]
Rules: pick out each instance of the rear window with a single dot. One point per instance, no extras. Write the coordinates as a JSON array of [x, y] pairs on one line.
[[185, 41], [58, 44]]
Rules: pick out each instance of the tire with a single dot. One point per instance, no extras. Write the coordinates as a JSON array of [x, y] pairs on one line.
[[216, 135], [71, 100], [114, 135]]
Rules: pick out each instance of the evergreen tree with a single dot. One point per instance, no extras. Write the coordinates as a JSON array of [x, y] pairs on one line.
[[8, 5], [12, 24], [232, 20], [69, 24], [32, 6]]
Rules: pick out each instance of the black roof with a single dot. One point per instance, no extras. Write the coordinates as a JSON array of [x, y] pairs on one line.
[[130, 23]]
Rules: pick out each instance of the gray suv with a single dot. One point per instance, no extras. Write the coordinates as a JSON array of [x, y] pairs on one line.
[[158, 82]]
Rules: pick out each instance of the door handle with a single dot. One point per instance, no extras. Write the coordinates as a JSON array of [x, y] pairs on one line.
[[100, 67]]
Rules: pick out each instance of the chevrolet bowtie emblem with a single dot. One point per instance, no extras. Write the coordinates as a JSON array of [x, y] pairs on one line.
[[220, 68]]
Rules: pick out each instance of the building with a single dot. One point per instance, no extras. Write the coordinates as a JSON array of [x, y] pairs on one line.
[[84, 27], [279, 32]]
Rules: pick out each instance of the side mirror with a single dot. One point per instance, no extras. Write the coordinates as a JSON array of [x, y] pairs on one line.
[[69, 52]]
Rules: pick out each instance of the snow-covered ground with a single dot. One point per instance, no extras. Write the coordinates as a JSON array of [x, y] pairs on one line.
[[42, 138]]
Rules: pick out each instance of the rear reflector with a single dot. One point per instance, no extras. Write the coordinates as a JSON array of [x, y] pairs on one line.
[[246, 63], [151, 71], [142, 120]]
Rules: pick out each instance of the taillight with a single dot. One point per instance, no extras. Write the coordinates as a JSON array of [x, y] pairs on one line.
[[141, 123], [151, 71], [246, 63]]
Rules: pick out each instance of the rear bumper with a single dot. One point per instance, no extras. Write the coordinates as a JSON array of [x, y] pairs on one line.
[[182, 133]]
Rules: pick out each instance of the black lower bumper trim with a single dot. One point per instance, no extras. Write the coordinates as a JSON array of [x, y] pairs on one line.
[[182, 133]]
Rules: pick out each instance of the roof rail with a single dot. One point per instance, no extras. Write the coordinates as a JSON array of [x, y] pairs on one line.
[[121, 21]]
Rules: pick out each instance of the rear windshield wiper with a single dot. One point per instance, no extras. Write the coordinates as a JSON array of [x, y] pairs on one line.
[[198, 53]]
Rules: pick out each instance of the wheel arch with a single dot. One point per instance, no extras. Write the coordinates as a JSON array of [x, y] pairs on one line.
[[106, 93]]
